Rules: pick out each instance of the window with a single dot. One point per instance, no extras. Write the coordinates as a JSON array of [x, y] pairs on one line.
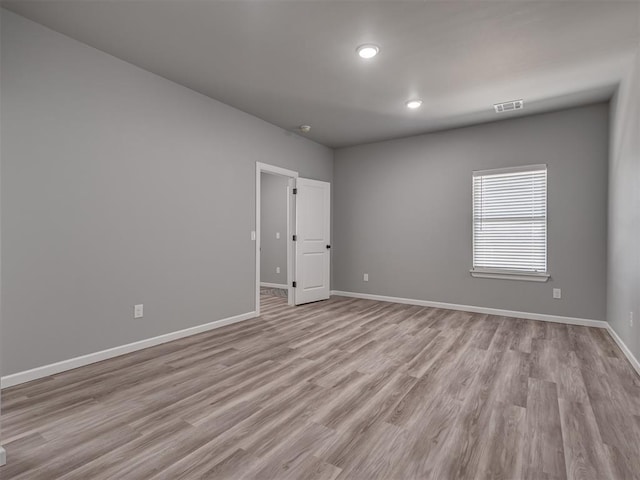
[[510, 223]]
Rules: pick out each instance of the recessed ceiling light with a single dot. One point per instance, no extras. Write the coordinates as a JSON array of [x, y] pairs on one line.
[[413, 104], [305, 128], [368, 51]]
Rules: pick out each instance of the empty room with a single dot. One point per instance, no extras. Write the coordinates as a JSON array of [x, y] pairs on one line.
[[320, 239]]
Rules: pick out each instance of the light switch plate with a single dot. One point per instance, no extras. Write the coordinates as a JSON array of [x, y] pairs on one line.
[[138, 311], [366, 277], [557, 293]]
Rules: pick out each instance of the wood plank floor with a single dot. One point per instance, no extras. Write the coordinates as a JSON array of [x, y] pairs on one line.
[[342, 389]]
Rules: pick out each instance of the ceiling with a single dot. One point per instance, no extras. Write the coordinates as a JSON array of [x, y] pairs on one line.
[[294, 62]]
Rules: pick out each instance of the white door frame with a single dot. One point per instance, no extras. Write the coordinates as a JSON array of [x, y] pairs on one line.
[[291, 175]]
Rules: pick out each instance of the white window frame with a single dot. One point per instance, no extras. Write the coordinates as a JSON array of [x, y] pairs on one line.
[[507, 274]]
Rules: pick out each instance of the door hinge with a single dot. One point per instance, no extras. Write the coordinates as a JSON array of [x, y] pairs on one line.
[[295, 284], [295, 191], [295, 238]]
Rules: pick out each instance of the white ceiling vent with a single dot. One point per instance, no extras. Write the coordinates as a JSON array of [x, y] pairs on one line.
[[509, 106]]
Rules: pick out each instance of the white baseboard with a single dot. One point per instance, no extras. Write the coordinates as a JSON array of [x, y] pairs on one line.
[[470, 308], [52, 369], [627, 353], [274, 285], [3, 456]]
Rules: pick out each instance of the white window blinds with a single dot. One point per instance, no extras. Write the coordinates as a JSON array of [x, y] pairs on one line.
[[510, 220]]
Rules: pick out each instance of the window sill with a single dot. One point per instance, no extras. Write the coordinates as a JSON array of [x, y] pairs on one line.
[[503, 275]]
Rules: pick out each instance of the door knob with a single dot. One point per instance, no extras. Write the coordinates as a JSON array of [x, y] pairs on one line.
[[328, 246]]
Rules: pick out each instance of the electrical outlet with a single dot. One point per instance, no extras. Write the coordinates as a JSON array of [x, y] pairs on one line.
[[557, 293], [631, 319], [366, 277], [138, 311], [277, 269]]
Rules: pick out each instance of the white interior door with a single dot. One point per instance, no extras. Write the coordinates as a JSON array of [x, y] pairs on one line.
[[313, 234]]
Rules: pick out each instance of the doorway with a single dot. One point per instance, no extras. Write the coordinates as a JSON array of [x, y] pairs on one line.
[[275, 219], [293, 247]]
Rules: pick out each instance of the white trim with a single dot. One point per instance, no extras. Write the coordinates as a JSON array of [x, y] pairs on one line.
[[273, 285], [627, 353], [54, 368], [470, 308], [292, 176], [291, 228], [505, 275], [520, 168], [3, 456], [265, 167]]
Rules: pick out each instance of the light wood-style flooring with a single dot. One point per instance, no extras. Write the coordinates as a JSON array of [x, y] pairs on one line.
[[342, 389]]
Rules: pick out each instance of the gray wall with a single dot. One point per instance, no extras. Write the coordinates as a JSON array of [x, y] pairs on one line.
[[273, 205], [404, 213], [120, 187], [2, 451], [623, 286]]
